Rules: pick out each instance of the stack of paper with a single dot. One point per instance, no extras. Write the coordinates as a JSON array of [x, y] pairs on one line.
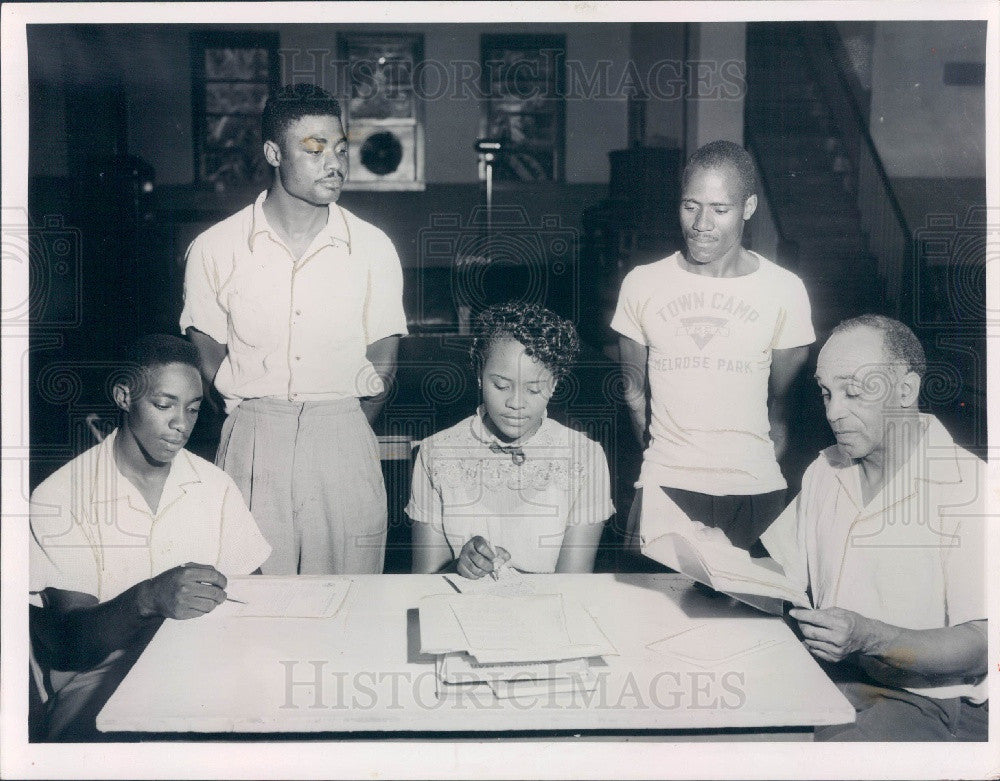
[[458, 671], [706, 555], [514, 644]]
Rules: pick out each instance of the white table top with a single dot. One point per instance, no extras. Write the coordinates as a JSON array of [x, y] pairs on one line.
[[734, 668]]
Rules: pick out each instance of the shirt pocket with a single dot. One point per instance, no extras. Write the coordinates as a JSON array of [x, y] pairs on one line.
[[255, 306]]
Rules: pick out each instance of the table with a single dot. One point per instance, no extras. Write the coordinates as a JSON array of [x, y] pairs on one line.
[[687, 662]]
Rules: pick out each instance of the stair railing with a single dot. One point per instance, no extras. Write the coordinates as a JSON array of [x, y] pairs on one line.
[[887, 233]]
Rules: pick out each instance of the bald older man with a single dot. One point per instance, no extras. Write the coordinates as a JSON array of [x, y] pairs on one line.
[[888, 536]]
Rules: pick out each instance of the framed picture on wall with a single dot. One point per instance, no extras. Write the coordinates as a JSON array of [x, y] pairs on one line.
[[232, 75], [384, 114], [524, 107]]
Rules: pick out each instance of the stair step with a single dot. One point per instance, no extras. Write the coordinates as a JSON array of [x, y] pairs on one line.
[[798, 91], [826, 263], [827, 200], [776, 123], [788, 104], [802, 163], [805, 183], [845, 281], [799, 229], [767, 112], [787, 72], [804, 212], [835, 247], [798, 143]]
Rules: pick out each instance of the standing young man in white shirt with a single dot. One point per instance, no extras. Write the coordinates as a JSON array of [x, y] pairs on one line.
[[711, 330], [295, 306]]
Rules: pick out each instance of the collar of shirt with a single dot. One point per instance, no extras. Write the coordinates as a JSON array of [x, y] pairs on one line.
[[934, 460], [110, 485], [336, 229], [481, 432]]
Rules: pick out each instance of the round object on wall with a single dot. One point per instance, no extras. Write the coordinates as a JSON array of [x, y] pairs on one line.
[[381, 153]]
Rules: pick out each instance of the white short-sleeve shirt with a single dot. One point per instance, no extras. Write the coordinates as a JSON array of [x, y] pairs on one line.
[[294, 329], [93, 532], [710, 341], [913, 557], [464, 489]]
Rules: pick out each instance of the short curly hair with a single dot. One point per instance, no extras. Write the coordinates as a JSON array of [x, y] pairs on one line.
[[901, 344], [292, 102], [151, 351], [548, 338], [716, 154]]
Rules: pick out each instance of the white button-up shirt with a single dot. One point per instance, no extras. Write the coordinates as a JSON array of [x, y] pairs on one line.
[[93, 532], [913, 557], [294, 329]]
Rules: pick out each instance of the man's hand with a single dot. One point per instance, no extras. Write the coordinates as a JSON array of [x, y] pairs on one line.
[[478, 558], [834, 633], [779, 435], [186, 591]]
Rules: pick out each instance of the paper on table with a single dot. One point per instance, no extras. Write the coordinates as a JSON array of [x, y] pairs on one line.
[[441, 631], [505, 690], [288, 598], [671, 538], [510, 584], [717, 641], [491, 622], [459, 668]]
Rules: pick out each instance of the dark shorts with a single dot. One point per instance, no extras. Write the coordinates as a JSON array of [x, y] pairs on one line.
[[742, 518]]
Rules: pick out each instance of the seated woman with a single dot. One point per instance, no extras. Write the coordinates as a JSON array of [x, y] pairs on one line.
[[508, 483]]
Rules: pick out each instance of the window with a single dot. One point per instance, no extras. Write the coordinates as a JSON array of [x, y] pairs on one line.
[[233, 73], [524, 108]]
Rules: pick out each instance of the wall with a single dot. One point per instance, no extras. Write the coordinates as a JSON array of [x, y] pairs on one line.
[[153, 61], [716, 88], [658, 53], [921, 126]]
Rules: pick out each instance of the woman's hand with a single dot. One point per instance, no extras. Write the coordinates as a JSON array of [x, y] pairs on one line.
[[478, 558]]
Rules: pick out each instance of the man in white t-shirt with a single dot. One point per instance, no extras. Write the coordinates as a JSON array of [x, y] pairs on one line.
[[295, 306], [712, 330], [888, 535]]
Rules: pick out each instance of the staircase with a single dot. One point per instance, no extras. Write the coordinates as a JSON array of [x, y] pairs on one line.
[[806, 172], [836, 211]]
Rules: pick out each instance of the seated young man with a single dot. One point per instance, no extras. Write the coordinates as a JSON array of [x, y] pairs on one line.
[[888, 534], [131, 532]]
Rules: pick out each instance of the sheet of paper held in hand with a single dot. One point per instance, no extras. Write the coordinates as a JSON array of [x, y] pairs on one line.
[[287, 598], [704, 554]]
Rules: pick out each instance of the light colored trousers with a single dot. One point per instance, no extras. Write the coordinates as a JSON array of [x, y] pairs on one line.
[[310, 474]]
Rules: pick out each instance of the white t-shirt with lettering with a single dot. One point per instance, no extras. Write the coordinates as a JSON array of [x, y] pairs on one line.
[[710, 341]]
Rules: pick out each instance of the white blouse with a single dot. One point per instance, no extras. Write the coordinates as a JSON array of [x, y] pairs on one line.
[[524, 504]]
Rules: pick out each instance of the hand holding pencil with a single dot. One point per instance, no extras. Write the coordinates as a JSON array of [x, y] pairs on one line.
[[479, 558]]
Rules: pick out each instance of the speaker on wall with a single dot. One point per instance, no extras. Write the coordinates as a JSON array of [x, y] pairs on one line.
[[384, 110], [386, 154]]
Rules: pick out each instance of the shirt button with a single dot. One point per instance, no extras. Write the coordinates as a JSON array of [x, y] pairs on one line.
[[298, 357], [298, 311]]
